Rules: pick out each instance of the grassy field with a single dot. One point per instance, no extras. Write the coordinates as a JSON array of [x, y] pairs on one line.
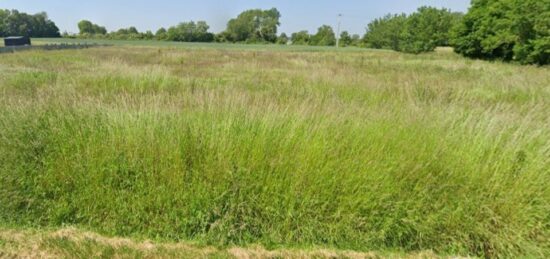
[[194, 45], [284, 148]]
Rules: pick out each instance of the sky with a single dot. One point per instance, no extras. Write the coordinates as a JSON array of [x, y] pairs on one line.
[[297, 15]]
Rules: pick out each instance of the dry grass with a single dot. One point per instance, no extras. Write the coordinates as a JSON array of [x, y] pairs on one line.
[[73, 243]]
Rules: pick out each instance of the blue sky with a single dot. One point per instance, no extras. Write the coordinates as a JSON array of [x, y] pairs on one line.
[[151, 15]]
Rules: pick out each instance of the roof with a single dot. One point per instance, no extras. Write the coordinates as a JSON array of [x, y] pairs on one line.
[[15, 37]]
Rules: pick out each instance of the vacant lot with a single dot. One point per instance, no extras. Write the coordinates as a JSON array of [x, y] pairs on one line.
[[285, 148]]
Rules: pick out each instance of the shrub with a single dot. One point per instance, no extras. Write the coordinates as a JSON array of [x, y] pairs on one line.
[[421, 31], [506, 30]]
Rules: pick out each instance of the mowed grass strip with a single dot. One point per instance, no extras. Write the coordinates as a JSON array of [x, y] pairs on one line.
[[74, 243], [365, 151]]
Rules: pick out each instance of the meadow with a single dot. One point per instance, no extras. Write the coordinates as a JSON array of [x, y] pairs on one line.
[[283, 148]]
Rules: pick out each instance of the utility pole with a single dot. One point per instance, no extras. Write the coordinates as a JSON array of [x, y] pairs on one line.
[[338, 31]]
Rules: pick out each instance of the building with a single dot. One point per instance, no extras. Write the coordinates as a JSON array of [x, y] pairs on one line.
[[17, 41]]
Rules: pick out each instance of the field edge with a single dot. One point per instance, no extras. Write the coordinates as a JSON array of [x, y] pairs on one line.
[[71, 242]]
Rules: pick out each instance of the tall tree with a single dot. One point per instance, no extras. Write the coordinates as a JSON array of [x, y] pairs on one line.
[[190, 32], [385, 32], [427, 29], [300, 38], [22, 24], [254, 25], [161, 34], [87, 27], [282, 39], [148, 35], [421, 31], [325, 36], [3, 15], [507, 30], [345, 39], [133, 30]]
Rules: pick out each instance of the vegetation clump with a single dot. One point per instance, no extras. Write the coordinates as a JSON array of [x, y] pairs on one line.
[[254, 26], [419, 32], [15, 23], [506, 30]]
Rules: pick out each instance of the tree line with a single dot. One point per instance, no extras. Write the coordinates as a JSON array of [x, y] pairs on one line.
[[15, 23], [508, 30], [421, 31], [185, 32], [251, 26]]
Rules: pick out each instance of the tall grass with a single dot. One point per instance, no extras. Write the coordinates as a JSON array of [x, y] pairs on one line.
[[361, 150]]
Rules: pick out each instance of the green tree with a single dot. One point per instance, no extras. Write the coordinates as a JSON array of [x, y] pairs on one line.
[[201, 33], [325, 36], [17, 23], [385, 32], [282, 39], [221, 37], [161, 34], [190, 32], [99, 29], [3, 15], [356, 40], [345, 39], [506, 30], [86, 27], [148, 35], [130, 33], [300, 38], [22, 24], [422, 31], [254, 26], [133, 30], [426, 29]]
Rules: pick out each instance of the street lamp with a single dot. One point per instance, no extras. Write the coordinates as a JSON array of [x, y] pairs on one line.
[[338, 31]]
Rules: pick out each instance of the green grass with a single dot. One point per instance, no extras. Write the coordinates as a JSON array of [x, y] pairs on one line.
[[356, 150], [194, 45], [73, 243]]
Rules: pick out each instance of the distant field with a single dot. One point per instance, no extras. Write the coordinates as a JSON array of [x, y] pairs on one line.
[[190, 45], [242, 145]]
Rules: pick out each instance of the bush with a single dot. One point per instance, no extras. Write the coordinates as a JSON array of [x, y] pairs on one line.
[[506, 30], [300, 38], [254, 26], [324, 37], [282, 39], [190, 32], [427, 29], [385, 32], [421, 31]]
